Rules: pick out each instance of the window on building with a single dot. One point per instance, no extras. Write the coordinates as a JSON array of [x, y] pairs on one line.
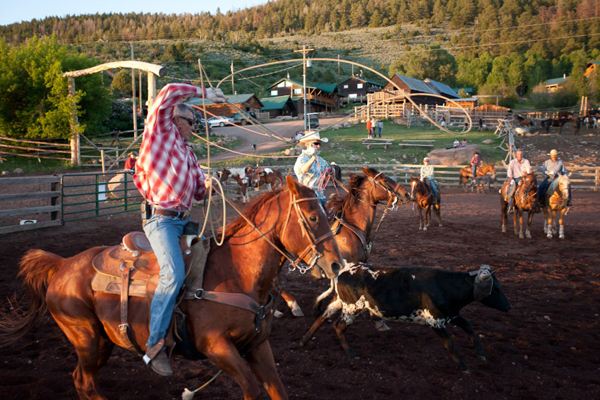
[[359, 85], [273, 92], [345, 86], [297, 91]]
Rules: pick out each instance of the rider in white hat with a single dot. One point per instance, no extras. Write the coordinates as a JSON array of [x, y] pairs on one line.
[[552, 168], [310, 168]]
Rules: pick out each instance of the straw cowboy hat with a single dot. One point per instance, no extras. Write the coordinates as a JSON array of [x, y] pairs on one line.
[[132, 154], [311, 136], [553, 152]]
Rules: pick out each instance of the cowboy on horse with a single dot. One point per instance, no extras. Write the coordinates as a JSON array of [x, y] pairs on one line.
[[310, 168], [552, 169], [169, 178], [427, 177], [518, 167]]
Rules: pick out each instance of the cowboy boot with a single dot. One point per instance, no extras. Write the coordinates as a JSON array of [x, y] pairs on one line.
[[160, 364], [511, 209]]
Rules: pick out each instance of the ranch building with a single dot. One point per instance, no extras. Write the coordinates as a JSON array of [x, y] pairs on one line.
[[319, 98], [246, 102], [355, 89], [279, 106]]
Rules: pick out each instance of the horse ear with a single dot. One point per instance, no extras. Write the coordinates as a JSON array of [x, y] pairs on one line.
[[365, 170], [292, 185]]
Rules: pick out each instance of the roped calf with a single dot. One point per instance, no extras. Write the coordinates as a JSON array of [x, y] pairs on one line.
[[425, 296]]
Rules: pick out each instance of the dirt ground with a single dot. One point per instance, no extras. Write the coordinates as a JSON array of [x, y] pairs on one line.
[[546, 347]]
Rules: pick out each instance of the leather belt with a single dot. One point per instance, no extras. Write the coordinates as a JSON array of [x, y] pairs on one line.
[[171, 213]]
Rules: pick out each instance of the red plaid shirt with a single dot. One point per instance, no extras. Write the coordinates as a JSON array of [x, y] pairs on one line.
[[167, 171]]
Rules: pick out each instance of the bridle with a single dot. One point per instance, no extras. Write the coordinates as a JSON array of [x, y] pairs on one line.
[[306, 232], [392, 194], [525, 190]]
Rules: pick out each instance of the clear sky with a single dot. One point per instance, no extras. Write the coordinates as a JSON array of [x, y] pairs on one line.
[[12, 11]]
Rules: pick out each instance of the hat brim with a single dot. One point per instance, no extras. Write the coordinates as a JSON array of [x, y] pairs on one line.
[[308, 140]]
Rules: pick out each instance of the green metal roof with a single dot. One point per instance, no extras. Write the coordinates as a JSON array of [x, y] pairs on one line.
[[274, 103], [555, 81], [235, 99]]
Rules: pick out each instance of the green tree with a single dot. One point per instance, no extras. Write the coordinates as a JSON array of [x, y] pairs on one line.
[[33, 94], [433, 63]]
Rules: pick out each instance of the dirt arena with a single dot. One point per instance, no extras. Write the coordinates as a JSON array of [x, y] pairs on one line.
[[546, 347]]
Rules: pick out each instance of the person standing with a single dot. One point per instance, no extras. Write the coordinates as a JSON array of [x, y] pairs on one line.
[[169, 178], [380, 127], [310, 168], [518, 167], [481, 124], [552, 169], [369, 129], [427, 175]]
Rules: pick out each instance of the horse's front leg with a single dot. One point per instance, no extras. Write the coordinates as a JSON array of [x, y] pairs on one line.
[[503, 207], [439, 213], [515, 221], [263, 365], [561, 230], [549, 224], [292, 304], [427, 216], [521, 235], [421, 227], [529, 220], [545, 220]]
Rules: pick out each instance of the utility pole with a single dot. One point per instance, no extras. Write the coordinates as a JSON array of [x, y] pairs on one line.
[[304, 51], [133, 95], [232, 84]]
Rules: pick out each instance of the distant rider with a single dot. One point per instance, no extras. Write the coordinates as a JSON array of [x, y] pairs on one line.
[[518, 167], [552, 169], [427, 174]]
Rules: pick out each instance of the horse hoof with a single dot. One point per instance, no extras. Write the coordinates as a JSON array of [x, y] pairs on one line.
[[528, 235], [278, 314], [297, 311], [424, 229], [482, 358], [440, 225], [561, 237], [521, 237]]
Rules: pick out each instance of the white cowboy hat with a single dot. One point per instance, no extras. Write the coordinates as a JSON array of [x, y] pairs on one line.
[[312, 136], [426, 159], [553, 152]]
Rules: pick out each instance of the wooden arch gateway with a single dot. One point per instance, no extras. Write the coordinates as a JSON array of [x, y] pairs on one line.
[[153, 71]]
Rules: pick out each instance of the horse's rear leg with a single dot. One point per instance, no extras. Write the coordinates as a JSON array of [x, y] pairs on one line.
[[549, 225], [263, 365], [521, 235], [529, 221], [438, 212], [561, 229], [92, 352]]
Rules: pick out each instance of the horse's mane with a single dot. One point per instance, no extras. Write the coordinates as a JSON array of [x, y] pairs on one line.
[[250, 213], [346, 204]]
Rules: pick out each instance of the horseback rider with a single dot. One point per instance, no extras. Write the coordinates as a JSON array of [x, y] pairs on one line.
[[170, 179], [518, 167], [552, 169], [475, 162], [427, 175], [310, 168]]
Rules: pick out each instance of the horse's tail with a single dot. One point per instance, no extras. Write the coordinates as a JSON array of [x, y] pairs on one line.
[[319, 308], [37, 268]]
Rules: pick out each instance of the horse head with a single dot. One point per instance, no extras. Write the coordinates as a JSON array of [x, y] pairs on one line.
[[385, 188], [415, 188], [309, 235], [564, 187]]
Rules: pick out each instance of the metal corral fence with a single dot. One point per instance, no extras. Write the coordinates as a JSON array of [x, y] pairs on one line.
[[42, 201]]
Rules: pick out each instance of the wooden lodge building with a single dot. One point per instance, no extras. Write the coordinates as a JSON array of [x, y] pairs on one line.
[[355, 89], [319, 98], [279, 106], [246, 102]]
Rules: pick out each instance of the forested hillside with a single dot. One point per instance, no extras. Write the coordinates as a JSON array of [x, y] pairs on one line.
[[506, 47]]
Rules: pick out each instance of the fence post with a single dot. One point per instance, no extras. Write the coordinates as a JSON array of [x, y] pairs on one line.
[[53, 187], [102, 161]]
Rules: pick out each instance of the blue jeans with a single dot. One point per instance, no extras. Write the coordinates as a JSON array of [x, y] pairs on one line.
[[433, 187], [380, 129], [511, 191], [164, 233]]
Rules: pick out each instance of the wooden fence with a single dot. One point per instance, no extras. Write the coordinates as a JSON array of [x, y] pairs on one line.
[[27, 199]]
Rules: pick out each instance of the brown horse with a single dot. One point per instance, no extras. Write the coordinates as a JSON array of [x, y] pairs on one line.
[[422, 195], [467, 172], [243, 177], [245, 265], [555, 205], [267, 176], [353, 216], [525, 200]]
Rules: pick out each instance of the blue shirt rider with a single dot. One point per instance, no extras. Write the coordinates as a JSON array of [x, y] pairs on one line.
[[551, 169]]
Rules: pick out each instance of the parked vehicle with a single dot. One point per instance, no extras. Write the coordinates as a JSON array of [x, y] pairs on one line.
[[312, 120], [217, 121], [242, 118]]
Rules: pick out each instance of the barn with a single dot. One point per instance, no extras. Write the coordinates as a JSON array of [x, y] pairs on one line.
[[355, 89]]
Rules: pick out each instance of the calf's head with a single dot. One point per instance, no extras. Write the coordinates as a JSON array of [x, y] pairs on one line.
[[486, 289]]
